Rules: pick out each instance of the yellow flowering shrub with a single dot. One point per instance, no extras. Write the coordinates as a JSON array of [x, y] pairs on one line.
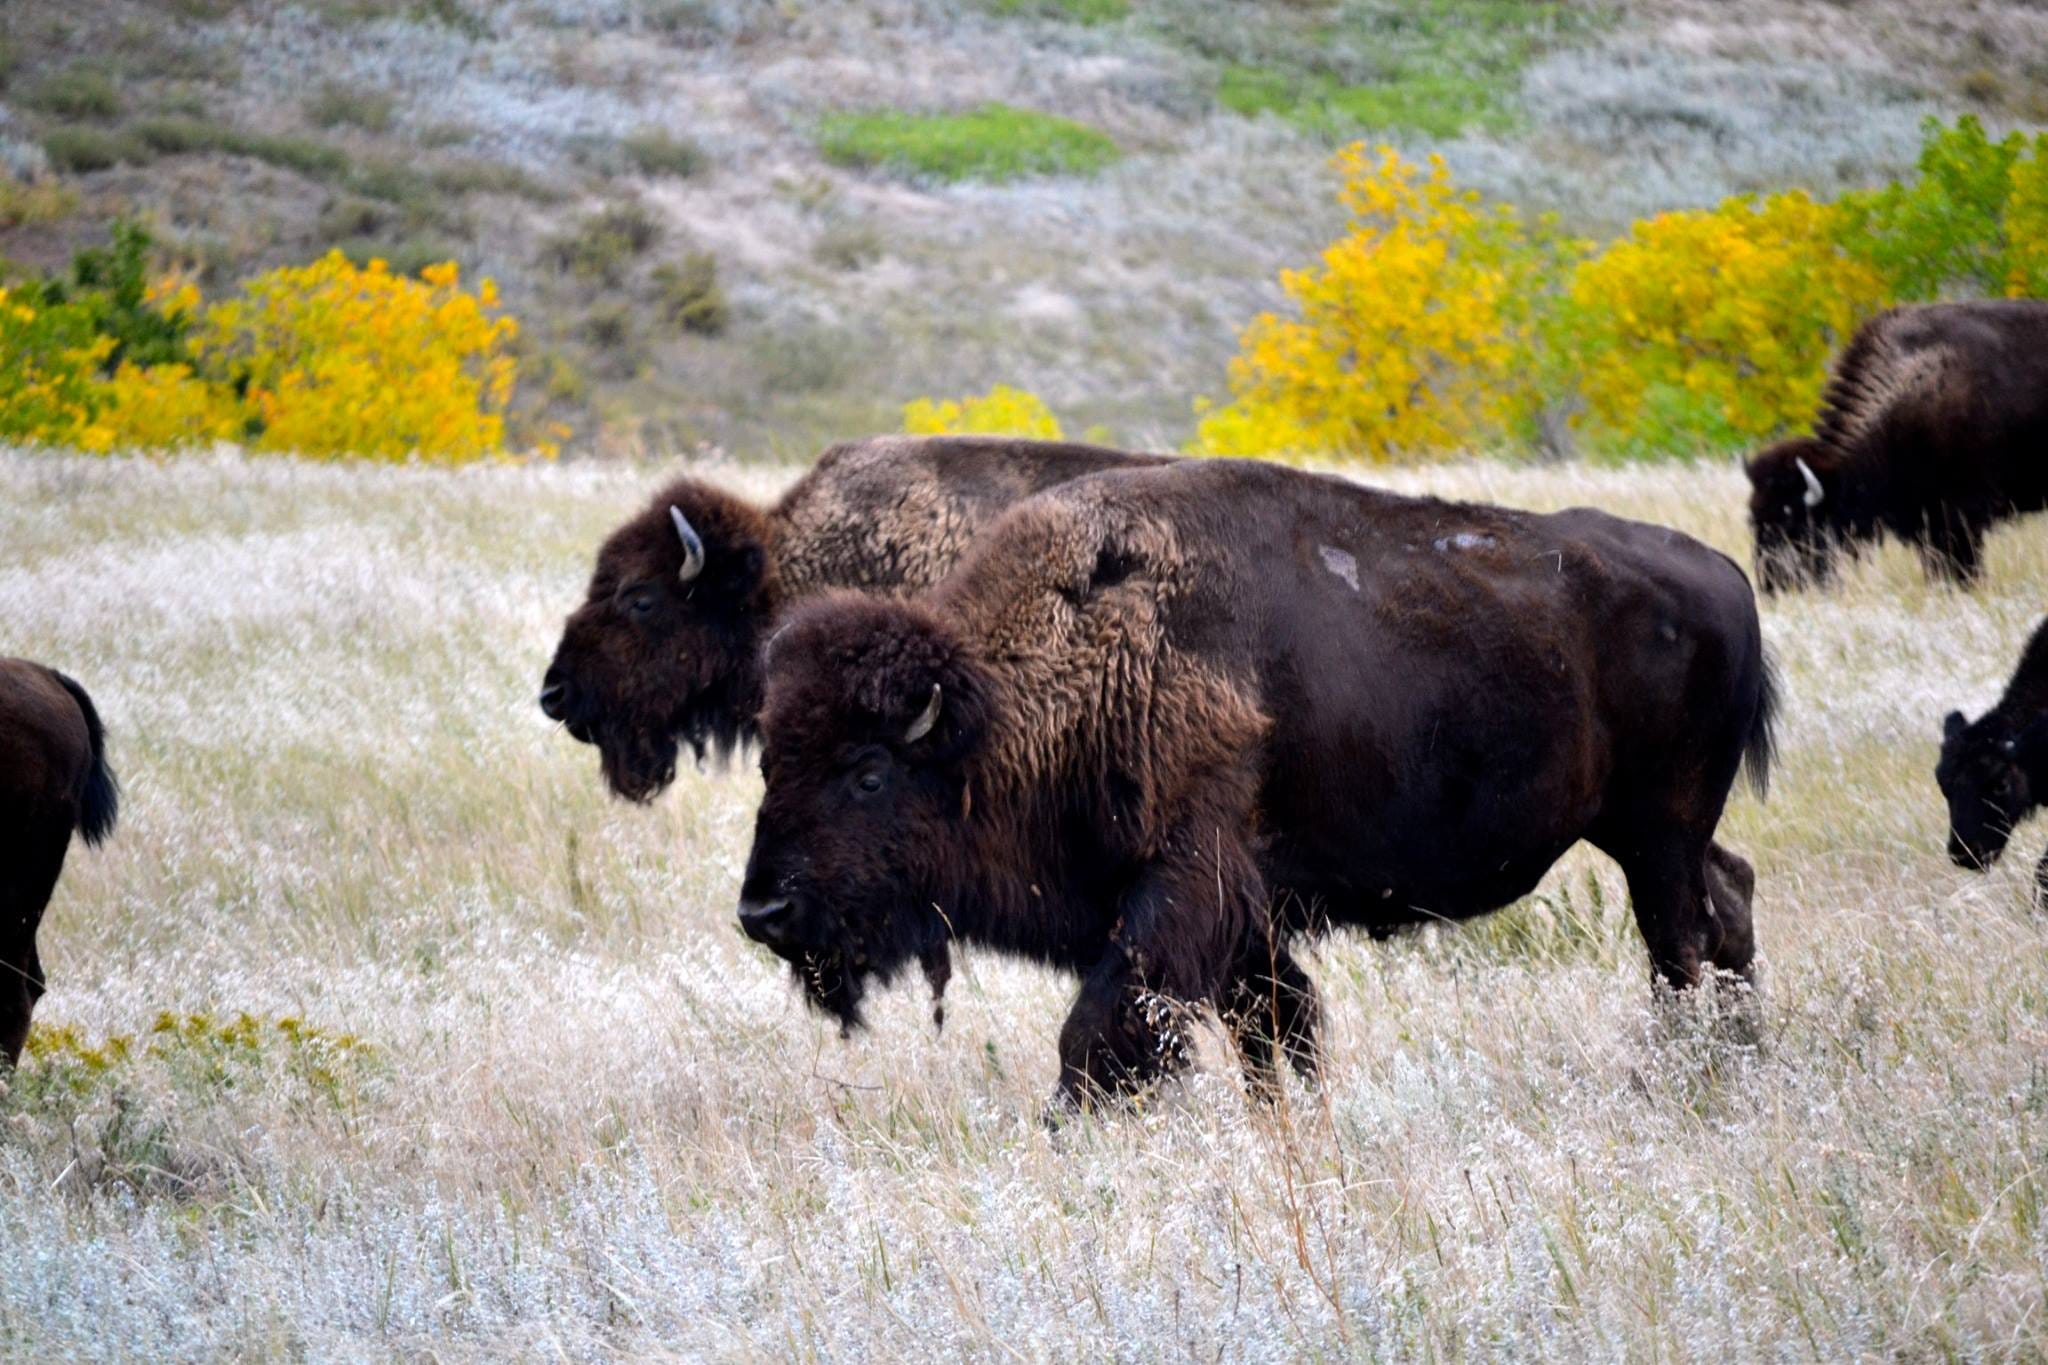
[[1002, 411], [1413, 334], [1714, 327], [2026, 226], [50, 355], [161, 407], [335, 360]]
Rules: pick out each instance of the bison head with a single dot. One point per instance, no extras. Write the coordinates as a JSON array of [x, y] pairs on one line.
[[664, 647], [1987, 772], [874, 715], [1795, 510]]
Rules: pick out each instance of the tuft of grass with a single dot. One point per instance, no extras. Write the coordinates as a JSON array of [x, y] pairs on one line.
[[656, 152], [473, 176], [405, 256], [175, 136], [337, 105], [77, 92], [90, 149], [995, 142], [689, 297]]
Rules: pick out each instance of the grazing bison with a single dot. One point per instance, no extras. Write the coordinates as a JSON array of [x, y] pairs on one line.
[[665, 646], [1934, 426], [1994, 770], [54, 779], [1161, 722]]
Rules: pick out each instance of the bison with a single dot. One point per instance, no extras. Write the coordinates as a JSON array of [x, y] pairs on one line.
[[54, 779], [1162, 723], [1994, 770], [664, 647], [1934, 426]]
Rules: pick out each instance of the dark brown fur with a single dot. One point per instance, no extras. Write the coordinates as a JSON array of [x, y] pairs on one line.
[[1994, 770], [647, 661], [1188, 713], [54, 779], [1934, 427]]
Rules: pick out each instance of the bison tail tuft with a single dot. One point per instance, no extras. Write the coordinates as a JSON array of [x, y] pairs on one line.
[[102, 801], [1761, 746]]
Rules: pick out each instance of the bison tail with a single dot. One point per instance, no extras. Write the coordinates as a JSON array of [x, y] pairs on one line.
[[102, 800], [1761, 746]]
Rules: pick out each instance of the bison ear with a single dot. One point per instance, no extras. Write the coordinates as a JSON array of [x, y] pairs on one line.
[[1952, 728]]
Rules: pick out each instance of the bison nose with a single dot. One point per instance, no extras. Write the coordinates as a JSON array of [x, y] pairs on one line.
[[554, 697], [766, 921]]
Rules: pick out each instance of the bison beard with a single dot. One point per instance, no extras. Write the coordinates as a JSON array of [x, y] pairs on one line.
[[1161, 723]]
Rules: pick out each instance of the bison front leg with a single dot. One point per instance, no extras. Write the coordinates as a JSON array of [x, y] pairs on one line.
[[1953, 551], [1273, 1003], [1184, 927]]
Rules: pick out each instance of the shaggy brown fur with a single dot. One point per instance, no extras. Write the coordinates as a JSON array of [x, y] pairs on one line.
[[647, 661], [1934, 427], [1184, 714], [54, 779]]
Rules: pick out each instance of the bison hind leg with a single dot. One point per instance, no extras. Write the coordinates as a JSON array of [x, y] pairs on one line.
[[1731, 887]]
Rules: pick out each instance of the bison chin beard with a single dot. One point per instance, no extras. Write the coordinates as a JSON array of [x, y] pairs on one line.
[[637, 766], [835, 981]]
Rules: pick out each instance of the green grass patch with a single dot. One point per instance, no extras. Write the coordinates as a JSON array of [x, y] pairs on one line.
[[994, 142], [1440, 105], [1073, 11], [1436, 67]]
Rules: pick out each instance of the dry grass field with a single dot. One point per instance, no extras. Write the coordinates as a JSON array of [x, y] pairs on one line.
[[512, 1084]]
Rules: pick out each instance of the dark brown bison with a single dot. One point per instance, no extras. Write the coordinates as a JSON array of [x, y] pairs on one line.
[[1161, 722], [54, 779], [1994, 770], [664, 648], [1934, 426]]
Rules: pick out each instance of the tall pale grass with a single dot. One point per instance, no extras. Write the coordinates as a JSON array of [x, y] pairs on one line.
[[596, 1121]]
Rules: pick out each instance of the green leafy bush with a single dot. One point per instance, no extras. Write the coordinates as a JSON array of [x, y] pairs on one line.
[[689, 296], [655, 152], [995, 142], [78, 92]]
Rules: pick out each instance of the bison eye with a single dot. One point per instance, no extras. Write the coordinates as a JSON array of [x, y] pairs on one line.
[[641, 605], [869, 783]]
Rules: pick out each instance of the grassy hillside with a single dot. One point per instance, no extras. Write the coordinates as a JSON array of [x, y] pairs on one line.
[[761, 224], [512, 1082]]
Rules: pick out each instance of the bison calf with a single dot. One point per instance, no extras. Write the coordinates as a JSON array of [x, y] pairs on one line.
[[1934, 426], [1162, 722], [1994, 770], [664, 647], [54, 779]]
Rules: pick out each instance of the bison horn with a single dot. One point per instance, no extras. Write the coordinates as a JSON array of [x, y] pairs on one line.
[[693, 545], [1814, 492], [926, 719]]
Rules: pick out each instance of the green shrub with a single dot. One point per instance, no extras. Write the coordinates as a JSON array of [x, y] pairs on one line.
[[609, 326], [490, 177], [1438, 104], [689, 297], [337, 105], [653, 152], [994, 142], [174, 136], [1944, 230], [604, 244], [78, 92], [40, 202], [349, 217], [409, 256]]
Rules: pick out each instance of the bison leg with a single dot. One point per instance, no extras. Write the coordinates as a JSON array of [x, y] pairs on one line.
[[24, 891], [1667, 884], [1273, 1001], [1731, 883], [1118, 1039]]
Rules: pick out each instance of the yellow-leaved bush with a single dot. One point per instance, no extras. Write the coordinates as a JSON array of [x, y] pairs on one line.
[[334, 359], [49, 360], [1414, 333], [1002, 411], [1713, 327], [2026, 226]]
